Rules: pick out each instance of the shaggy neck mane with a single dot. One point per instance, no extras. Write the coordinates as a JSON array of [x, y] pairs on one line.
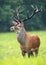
[[21, 36]]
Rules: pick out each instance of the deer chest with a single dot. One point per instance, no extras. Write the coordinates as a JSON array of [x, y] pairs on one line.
[[21, 38]]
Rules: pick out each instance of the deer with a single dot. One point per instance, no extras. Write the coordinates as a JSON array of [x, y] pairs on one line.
[[29, 43]]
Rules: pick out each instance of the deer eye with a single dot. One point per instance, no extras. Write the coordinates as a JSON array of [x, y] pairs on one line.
[[19, 26]]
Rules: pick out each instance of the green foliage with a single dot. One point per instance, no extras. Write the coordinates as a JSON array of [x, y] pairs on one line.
[[8, 12], [10, 53]]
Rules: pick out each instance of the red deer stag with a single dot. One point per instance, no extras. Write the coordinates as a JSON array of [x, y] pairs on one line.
[[29, 43]]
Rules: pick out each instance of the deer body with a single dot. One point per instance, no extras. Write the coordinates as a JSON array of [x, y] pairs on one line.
[[31, 41]]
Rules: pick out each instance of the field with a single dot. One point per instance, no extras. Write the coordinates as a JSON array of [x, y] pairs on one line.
[[10, 53]]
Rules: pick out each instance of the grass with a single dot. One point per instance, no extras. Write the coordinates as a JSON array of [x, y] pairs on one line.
[[10, 53]]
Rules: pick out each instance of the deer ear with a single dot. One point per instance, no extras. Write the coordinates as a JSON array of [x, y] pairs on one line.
[[15, 23]]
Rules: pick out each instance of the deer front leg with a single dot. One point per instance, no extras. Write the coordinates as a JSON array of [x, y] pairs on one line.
[[30, 53], [23, 50], [23, 53]]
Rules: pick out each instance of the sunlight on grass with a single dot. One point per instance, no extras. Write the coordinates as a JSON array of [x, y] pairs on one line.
[[10, 53], [23, 61]]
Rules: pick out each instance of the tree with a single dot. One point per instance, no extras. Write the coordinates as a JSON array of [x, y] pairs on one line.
[[8, 10]]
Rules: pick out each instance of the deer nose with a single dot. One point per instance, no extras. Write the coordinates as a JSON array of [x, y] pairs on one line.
[[11, 28]]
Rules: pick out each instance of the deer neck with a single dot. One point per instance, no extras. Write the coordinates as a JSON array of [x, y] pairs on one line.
[[21, 36]]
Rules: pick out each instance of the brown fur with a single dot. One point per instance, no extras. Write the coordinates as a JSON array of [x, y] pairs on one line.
[[31, 45]]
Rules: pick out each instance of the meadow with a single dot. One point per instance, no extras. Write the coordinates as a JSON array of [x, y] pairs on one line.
[[10, 53]]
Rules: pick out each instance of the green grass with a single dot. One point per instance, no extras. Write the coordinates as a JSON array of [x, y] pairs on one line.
[[10, 53]]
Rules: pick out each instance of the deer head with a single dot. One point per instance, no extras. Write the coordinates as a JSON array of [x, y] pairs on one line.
[[18, 25]]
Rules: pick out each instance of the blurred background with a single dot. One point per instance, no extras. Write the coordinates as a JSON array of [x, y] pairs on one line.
[[8, 10]]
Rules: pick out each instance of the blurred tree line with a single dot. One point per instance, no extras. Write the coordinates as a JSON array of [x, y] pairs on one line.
[[8, 10]]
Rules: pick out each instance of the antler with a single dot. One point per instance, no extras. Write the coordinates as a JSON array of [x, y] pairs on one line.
[[36, 10], [18, 12]]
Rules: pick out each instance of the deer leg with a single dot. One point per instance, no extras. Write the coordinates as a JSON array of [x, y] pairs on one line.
[[30, 53], [36, 52], [23, 53]]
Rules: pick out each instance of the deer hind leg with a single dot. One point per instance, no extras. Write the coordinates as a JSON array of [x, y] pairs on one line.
[[36, 52]]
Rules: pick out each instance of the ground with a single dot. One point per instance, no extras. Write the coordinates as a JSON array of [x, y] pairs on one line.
[[10, 53]]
